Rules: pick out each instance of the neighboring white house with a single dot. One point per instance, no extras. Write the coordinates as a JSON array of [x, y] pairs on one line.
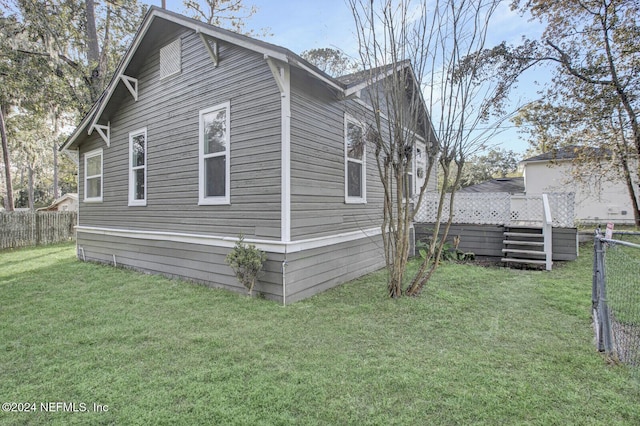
[[601, 197], [68, 202]]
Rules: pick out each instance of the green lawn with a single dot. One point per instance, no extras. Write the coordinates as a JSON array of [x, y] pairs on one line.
[[480, 346]]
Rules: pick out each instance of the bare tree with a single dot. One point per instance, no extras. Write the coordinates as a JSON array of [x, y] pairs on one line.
[[231, 14], [595, 97], [437, 43]]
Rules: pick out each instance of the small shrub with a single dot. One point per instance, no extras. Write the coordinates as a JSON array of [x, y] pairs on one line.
[[449, 252], [246, 261]]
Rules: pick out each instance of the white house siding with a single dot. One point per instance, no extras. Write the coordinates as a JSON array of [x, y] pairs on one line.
[[599, 200], [169, 110]]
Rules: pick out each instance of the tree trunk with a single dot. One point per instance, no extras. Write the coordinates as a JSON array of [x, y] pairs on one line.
[[632, 191], [56, 188], [8, 202], [31, 192], [93, 49]]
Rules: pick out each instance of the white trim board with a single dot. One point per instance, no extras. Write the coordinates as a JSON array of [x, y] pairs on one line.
[[229, 242]]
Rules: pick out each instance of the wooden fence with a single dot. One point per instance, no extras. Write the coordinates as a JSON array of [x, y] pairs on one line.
[[22, 229]]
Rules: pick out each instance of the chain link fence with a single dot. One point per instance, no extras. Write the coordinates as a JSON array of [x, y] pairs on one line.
[[616, 296]]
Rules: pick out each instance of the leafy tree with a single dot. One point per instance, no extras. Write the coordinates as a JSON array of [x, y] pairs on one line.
[[331, 61], [595, 94], [33, 154], [55, 58], [8, 199], [497, 163]]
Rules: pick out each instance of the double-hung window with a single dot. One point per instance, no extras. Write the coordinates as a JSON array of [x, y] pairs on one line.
[[214, 155], [93, 176], [138, 168], [355, 165]]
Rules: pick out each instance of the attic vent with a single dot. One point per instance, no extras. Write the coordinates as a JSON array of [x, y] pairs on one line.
[[170, 59]]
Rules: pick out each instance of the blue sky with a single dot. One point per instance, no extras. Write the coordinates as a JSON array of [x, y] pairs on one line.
[[305, 24]]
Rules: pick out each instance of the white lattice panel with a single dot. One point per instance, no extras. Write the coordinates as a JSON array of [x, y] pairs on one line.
[[499, 208], [488, 208]]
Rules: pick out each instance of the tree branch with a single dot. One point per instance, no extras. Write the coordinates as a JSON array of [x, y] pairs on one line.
[[566, 62]]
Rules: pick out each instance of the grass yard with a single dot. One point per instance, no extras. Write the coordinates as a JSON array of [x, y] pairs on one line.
[[480, 346]]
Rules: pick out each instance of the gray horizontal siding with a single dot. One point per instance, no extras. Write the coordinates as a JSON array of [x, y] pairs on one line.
[[318, 207], [564, 241], [199, 263], [486, 240], [169, 110], [313, 271], [308, 272], [483, 240]]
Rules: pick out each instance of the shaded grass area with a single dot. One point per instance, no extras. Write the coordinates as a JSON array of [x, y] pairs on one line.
[[480, 346]]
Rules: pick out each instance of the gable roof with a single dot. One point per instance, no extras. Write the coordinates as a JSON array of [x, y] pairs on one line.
[[567, 153], [510, 185], [160, 21], [363, 78]]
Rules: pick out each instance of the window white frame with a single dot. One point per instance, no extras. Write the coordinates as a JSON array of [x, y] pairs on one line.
[[100, 176], [411, 181], [203, 198], [133, 169], [348, 120]]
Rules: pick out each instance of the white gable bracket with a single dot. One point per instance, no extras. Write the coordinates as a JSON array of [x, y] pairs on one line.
[[353, 93], [212, 47], [131, 84], [103, 131], [278, 72]]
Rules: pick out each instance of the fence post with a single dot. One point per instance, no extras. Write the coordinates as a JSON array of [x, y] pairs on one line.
[[547, 231], [599, 299], [37, 218], [595, 290]]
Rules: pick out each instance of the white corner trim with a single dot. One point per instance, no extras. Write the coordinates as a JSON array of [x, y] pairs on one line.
[[228, 242], [282, 75]]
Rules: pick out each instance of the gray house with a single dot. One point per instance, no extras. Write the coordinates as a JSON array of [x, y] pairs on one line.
[[204, 134]]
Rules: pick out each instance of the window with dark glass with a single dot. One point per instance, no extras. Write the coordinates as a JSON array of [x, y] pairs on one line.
[[214, 155], [138, 168], [355, 164], [93, 176]]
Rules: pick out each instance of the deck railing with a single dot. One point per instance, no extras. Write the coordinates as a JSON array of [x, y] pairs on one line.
[[500, 208]]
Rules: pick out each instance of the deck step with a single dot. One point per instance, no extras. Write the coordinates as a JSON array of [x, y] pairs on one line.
[[522, 234], [523, 243], [531, 261], [529, 252]]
